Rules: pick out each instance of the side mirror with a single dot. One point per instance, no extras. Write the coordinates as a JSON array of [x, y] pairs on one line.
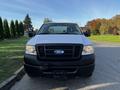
[[87, 34], [31, 33]]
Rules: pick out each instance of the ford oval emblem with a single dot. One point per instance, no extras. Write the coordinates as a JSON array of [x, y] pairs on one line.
[[59, 52]]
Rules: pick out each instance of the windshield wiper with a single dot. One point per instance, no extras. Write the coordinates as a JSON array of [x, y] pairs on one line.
[[59, 33], [68, 33], [44, 33]]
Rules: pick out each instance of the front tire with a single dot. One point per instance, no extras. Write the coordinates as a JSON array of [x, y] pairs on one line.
[[87, 75], [87, 72], [31, 72]]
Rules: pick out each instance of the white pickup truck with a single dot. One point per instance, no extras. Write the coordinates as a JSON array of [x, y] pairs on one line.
[[59, 49]]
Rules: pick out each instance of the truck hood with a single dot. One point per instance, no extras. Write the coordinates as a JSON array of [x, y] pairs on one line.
[[46, 39]]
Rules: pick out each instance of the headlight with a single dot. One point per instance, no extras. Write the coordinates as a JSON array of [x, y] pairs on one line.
[[87, 50], [30, 50]]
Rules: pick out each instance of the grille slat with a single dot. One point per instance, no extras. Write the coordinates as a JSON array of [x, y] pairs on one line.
[[58, 47], [47, 51]]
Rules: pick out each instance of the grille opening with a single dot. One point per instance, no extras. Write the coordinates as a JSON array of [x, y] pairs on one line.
[[47, 51], [76, 51], [40, 51], [58, 47]]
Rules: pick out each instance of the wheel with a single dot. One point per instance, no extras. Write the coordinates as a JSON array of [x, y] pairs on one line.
[[31, 75], [84, 74], [87, 72], [87, 75], [31, 72]]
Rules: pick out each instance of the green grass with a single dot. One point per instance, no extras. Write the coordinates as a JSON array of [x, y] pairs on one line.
[[105, 38], [11, 56]]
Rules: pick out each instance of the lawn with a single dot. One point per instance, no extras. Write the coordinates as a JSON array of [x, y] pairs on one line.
[[11, 56], [105, 38]]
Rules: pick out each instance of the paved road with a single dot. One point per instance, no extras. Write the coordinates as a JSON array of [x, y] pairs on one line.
[[106, 75]]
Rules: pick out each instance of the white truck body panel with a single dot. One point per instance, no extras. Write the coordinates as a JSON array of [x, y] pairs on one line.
[[59, 38]]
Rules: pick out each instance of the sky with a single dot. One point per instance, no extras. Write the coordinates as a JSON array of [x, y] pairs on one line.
[[78, 11]]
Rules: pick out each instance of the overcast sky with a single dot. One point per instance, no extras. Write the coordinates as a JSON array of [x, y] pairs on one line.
[[79, 11]]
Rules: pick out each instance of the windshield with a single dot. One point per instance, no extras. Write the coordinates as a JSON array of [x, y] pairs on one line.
[[59, 28]]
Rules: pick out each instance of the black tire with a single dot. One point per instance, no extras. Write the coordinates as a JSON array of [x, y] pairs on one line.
[[31, 75], [87, 72], [31, 72], [87, 75]]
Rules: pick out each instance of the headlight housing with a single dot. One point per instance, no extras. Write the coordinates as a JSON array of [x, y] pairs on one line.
[[87, 50], [30, 50]]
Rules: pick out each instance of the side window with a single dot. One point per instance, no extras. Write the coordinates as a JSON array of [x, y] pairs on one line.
[[78, 29], [42, 28]]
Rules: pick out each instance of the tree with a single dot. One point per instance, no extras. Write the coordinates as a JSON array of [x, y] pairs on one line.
[[105, 26], [47, 20], [6, 29], [27, 23], [94, 26], [21, 28], [17, 28], [12, 28], [1, 29]]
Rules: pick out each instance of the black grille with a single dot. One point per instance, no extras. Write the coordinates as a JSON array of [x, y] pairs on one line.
[[47, 51]]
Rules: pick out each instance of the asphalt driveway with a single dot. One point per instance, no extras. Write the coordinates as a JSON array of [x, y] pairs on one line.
[[106, 75]]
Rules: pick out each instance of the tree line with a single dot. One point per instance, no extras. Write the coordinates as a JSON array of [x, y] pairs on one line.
[[104, 26], [13, 30]]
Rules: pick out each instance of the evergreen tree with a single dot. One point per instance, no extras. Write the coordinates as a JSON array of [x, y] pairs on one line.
[[12, 28], [1, 29], [27, 23], [21, 28], [47, 20], [17, 28], [6, 29]]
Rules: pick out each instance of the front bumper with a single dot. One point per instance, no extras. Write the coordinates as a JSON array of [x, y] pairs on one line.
[[85, 64], [60, 70]]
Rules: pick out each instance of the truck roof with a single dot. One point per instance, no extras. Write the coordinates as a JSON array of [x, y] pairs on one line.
[[60, 23]]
